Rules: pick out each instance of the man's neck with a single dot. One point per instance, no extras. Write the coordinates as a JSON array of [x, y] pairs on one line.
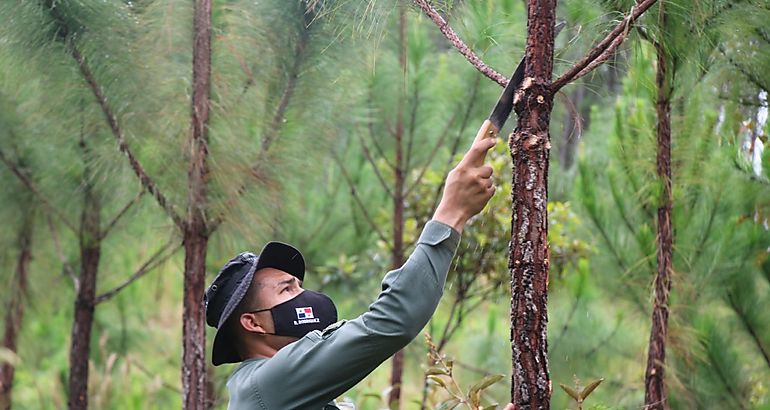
[[267, 347]]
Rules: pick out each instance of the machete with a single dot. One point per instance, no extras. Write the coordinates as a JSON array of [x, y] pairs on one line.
[[492, 126]]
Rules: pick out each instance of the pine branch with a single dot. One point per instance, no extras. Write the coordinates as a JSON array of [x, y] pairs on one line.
[[727, 383], [431, 156], [459, 44], [63, 33], [121, 213], [618, 258], [27, 182], [358, 200], [276, 124], [707, 231], [66, 265], [117, 132], [746, 73], [604, 49], [153, 375], [604, 341], [153, 262], [377, 147], [739, 311], [567, 322], [456, 143], [376, 169], [412, 126]]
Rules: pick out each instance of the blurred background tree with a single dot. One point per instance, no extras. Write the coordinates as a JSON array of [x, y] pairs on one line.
[[293, 96]]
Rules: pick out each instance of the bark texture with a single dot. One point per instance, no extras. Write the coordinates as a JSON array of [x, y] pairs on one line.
[[195, 231], [655, 393], [90, 253], [529, 257], [15, 313]]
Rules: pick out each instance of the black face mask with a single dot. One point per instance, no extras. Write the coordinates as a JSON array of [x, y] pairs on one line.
[[302, 314]]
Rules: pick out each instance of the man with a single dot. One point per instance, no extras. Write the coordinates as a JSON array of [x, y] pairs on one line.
[[294, 353]]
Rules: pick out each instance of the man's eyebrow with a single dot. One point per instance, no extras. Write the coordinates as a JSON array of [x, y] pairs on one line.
[[286, 282]]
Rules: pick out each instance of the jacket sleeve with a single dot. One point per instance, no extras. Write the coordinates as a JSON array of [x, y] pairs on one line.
[[324, 364]]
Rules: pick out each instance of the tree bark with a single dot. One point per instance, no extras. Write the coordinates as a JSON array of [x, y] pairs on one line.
[[655, 394], [397, 252], [15, 313], [529, 257], [90, 253], [195, 229], [193, 330]]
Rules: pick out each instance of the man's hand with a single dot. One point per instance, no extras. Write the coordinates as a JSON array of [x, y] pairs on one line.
[[468, 187], [509, 407]]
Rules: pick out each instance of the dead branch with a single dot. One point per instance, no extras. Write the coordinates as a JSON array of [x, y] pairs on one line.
[[604, 49], [153, 262], [121, 213], [459, 44]]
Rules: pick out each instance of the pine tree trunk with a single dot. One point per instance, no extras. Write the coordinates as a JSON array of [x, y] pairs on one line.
[[397, 372], [529, 258], [90, 253], [195, 229], [397, 253], [193, 330], [655, 394], [15, 313]]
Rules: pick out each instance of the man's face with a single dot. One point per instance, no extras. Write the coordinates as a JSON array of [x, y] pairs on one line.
[[274, 287]]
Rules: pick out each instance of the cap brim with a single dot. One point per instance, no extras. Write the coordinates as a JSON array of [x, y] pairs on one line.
[[282, 256], [223, 350]]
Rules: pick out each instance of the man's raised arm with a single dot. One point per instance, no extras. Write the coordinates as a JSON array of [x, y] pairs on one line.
[[323, 365]]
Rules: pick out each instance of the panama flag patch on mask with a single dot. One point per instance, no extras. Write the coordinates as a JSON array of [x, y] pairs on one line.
[[305, 313]]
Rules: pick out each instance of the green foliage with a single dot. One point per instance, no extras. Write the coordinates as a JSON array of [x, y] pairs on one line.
[[440, 374], [348, 88], [580, 393]]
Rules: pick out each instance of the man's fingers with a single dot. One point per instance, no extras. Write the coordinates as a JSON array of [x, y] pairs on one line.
[[485, 171], [478, 151]]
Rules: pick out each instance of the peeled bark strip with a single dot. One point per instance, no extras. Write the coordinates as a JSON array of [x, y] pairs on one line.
[[528, 263], [90, 253], [15, 313], [655, 394], [195, 229]]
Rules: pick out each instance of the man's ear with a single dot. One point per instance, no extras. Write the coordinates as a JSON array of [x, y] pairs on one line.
[[252, 322]]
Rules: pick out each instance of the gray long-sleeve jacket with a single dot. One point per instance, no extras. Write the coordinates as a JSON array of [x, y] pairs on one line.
[[312, 371]]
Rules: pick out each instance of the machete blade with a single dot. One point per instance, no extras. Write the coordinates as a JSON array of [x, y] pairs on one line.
[[504, 105]]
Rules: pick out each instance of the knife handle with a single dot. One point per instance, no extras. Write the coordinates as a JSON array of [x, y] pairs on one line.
[[487, 130]]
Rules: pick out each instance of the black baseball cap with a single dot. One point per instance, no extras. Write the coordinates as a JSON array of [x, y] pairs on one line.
[[230, 286]]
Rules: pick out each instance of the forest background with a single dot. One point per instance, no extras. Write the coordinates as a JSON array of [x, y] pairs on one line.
[[331, 125]]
